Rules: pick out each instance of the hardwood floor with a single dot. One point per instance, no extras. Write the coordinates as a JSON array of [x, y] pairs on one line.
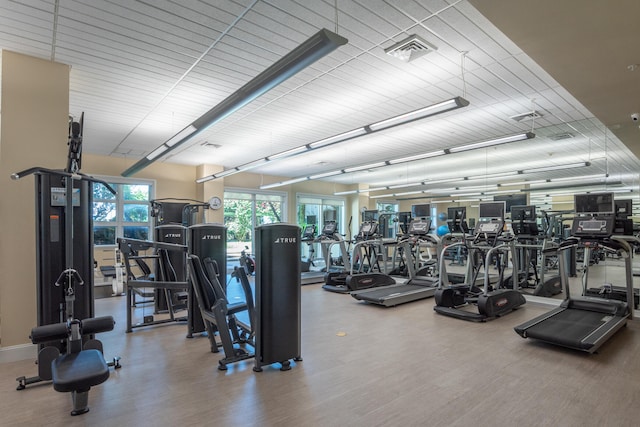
[[363, 366]]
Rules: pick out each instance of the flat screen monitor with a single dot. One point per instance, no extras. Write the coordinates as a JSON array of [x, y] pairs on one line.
[[511, 200], [421, 211], [492, 209], [456, 220], [623, 208], [594, 203], [404, 218], [370, 215], [523, 213], [457, 214]]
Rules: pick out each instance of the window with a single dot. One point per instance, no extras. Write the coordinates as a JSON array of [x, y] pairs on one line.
[[123, 215], [317, 210], [245, 209]]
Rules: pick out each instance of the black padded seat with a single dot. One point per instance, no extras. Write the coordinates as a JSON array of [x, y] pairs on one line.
[[79, 371]]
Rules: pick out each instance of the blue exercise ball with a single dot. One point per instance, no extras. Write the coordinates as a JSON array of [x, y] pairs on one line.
[[442, 230], [442, 216]]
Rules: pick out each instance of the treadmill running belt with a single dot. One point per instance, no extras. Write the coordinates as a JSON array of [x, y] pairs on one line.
[[569, 328], [387, 292]]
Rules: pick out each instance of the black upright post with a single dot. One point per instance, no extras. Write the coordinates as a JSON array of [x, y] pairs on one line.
[[206, 241], [277, 295], [51, 253], [176, 234]]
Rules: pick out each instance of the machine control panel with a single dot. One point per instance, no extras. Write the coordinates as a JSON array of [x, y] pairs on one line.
[[593, 227], [489, 228], [419, 228]]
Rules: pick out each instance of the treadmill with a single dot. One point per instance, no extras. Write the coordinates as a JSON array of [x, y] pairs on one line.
[[585, 323], [418, 287]]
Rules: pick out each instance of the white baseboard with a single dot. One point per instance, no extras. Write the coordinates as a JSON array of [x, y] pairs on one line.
[[15, 353]]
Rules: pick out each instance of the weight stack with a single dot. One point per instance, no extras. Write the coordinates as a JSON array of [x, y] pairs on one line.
[[277, 295], [206, 241]]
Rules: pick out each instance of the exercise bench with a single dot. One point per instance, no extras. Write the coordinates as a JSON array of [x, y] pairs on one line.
[[82, 366]]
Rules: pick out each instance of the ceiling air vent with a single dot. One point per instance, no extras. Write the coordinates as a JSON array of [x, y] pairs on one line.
[[410, 48], [528, 115], [561, 136], [211, 145]]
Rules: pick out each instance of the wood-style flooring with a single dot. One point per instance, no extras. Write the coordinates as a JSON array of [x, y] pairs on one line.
[[363, 366]]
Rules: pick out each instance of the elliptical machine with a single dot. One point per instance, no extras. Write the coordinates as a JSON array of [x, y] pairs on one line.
[[491, 303]]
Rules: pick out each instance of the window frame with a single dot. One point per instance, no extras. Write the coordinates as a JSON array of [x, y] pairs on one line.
[[120, 222]]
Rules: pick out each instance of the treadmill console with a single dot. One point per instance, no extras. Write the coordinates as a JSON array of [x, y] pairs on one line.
[[489, 228], [367, 229], [329, 229], [419, 228], [593, 227], [309, 233]]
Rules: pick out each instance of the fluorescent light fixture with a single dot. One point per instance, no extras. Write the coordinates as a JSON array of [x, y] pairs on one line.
[[476, 193], [364, 167], [556, 167], [338, 138], [157, 152], [580, 178], [226, 172], [288, 153], [441, 107], [184, 133], [280, 184], [314, 48], [252, 165], [417, 157], [406, 193], [204, 179], [501, 192], [410, 184], [492, 142], [345, 193], [511, 184], [381, 196], [432, 110], [324, 174]]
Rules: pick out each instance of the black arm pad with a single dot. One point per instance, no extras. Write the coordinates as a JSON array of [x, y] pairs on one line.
[[44, 333], [97, 324]]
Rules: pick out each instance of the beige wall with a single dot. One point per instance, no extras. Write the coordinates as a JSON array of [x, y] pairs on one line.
[[35, 106]]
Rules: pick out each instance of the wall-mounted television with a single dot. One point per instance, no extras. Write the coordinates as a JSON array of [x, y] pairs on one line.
[[456, 219], [370, 216], [523, 213], [511, 200], [492, 210], [623, 208], [594, 203], [421, 211], [457, 213]]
